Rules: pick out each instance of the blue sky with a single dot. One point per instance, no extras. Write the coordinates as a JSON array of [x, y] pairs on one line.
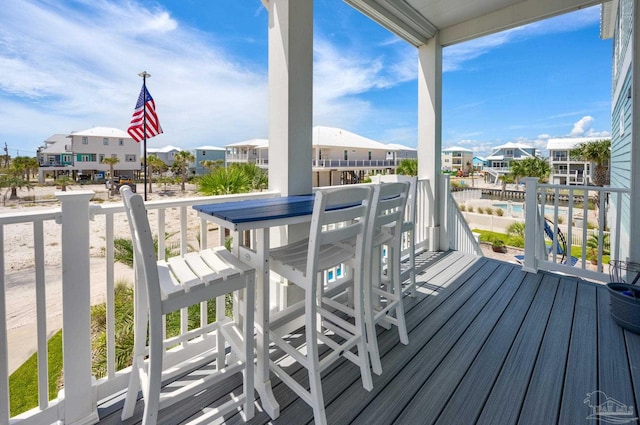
[[72, 65]]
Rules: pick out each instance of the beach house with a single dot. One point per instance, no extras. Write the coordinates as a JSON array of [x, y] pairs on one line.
[[501, 156], [566, 168], [457, 159], [82, 153], [489, 341]]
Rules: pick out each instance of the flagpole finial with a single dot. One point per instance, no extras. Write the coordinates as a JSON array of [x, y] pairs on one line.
[[144, 74]]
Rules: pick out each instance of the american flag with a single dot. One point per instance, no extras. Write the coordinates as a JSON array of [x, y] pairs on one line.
[[136, 127]]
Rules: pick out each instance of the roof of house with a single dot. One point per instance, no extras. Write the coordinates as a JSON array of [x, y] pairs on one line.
[[102, 132], [456, 149], [332, 137], [164, 149], [513, 145], [399, 147], [568, 142], [210, 148], [251, 142], [337, 137]]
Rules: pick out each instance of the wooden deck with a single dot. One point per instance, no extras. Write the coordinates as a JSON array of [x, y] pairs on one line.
[[489, 344]]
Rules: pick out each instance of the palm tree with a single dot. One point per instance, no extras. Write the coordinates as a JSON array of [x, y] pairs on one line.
[[598, 152], [408, 167], [181, 163], [224, 181], [211, 164], [530, 167], [506, 179], [155, 165], [63, 182], [111, 161], [257, 176]]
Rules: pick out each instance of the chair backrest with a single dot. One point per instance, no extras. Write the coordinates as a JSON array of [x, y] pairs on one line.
[[144, 251], [410, 209], [387, 212], [340, 215]]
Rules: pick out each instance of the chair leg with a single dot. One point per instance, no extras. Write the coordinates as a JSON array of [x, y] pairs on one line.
[[396, 284], [370, 301], [139, 345], [248, 382], [412, 265], [154, 374]]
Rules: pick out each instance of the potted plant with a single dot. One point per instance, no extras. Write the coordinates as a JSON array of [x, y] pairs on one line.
[[592, 255], [498, 246]]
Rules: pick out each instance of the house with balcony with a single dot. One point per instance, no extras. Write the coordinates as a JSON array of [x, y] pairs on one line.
[[566, 169], [254, 151], [489, 341], [456, 159], [338, 156], [82, 152], [501, 156]]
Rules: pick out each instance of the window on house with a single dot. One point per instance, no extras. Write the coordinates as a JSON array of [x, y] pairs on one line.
[[130, 158], [85, 140], [346, 154], [508, 152], [320, 154], [105, 141], [101, 158], [120, 142], [369, 155]]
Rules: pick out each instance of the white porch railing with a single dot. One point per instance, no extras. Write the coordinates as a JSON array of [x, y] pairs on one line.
[[460, 236], [77, 402], [536, 253]]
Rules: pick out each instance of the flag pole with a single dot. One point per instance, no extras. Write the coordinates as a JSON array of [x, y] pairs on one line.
[[144, 75]]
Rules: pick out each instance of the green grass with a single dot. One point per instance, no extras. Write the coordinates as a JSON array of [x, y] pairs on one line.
[[23, 383]]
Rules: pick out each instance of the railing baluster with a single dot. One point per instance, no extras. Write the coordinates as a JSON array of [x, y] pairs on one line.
[[4, 351], [110, 301], [41, 316]]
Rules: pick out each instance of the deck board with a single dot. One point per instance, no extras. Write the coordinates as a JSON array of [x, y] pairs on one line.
[[542, 402], [488, 343]]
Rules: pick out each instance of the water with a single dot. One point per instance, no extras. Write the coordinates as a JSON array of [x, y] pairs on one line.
[[516, 209]]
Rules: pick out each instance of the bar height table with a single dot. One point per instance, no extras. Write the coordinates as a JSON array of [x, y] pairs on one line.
[[260, 215]]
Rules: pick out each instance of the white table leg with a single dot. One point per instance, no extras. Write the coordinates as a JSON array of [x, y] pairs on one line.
[[263, 382]]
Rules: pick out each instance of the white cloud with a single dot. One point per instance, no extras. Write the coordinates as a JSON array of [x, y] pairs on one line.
[[581, 126], [65, 75]]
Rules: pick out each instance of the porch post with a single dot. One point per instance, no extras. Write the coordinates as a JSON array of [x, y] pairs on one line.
[[290, 95], [430, 133], [80, 405]]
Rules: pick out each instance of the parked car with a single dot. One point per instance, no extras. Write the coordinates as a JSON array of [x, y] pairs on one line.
[[83, 179], [119, 182]]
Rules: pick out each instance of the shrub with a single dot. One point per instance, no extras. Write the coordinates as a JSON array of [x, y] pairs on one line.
[[470, 208], [462, 207], [516, 229], [499, 212], [480, 210], [489, 210]]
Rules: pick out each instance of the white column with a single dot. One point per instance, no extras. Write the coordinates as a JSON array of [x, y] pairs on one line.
[[430, 131], [79, 395], [290, 95], [531, 225]]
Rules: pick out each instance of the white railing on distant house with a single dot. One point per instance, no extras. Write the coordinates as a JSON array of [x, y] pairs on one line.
[[537, 208], [358, 163], [459, 234], [77, 402]]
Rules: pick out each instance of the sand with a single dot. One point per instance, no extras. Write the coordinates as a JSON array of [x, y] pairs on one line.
[[19, 262]]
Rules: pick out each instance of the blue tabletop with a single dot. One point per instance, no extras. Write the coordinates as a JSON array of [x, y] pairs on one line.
[[260, 209]]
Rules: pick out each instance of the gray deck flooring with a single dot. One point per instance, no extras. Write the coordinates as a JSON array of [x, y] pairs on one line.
[[489, 344]]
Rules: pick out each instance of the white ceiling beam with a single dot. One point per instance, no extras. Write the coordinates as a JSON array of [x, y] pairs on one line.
[[398, 17], [519, 14]]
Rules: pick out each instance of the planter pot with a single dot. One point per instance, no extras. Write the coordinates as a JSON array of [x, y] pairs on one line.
[[501, 249], [625, 305]]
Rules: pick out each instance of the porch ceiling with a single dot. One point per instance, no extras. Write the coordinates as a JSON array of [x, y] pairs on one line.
[[417, 21]]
